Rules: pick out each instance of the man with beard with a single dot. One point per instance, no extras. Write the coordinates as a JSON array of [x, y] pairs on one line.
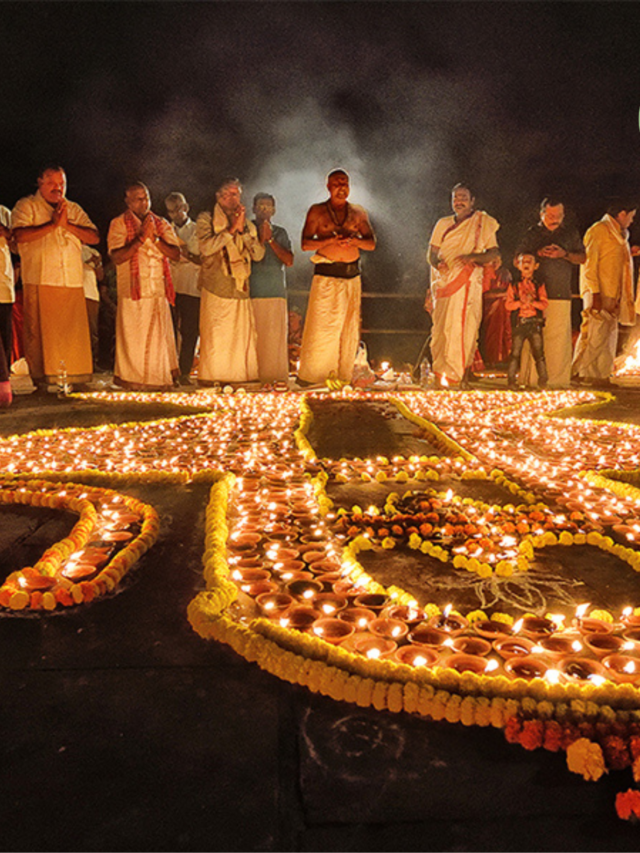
[[558, 249], [50, 231], [336, 231], [141, 244], [228, 243]]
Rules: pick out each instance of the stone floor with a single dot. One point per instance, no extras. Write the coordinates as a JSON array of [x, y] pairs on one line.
[[125, 731]]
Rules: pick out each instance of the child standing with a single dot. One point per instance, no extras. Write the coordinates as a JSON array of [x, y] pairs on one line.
[[526, 300]]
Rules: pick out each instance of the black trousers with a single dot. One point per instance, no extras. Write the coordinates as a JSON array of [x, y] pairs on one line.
[[531, 332], [186, 322]]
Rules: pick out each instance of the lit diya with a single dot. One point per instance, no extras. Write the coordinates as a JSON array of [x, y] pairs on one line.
[[358, 616], [391, 629], [559, 646], [491, 628], [274, 604], [329, 603], [624, 669], [300, 617], [471, 645], [467, 663], [527, 666], [408, 614], [509, 647], [452, 623], [371, 646], [415, 656], [424, 635], [332, 630], [304, 589], [79, 571], [116, 535], [582, 669], [603, 644], [537, 627]]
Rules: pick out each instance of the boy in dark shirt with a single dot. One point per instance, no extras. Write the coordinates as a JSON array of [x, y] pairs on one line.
[[526, 300]]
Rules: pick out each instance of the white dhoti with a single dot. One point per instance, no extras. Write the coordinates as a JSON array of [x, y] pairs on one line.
[[331, 329], [272, 328], [146, 357], [558, 347], [456, 321], [596, 346], [228, 351]]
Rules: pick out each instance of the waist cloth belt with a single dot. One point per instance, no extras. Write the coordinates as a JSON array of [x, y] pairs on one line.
[[338, 269]]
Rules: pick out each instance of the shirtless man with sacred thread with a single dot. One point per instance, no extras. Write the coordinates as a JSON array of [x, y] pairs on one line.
[[336, 231]]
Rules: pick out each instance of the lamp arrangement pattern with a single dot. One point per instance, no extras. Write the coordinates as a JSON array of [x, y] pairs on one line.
[[284, 583]]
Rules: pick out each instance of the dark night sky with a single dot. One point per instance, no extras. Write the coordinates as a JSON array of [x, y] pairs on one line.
[[521, 99]]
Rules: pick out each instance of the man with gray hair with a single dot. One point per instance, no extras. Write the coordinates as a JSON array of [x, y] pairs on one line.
[[185, 272], [228, 244]]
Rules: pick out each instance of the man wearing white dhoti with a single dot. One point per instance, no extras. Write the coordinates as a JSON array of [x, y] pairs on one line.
[[228, 243], [558, 249], [50, 231], [460, 247], [336, 231], [606, 287], [141, 245]]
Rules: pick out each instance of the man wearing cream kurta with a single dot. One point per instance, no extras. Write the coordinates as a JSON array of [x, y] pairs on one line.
[[50, 231], [606, 287], [141, 245], [460, 247], [228, 243]]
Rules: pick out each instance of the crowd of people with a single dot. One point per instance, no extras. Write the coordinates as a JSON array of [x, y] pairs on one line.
[[466, 267], [212, 292]]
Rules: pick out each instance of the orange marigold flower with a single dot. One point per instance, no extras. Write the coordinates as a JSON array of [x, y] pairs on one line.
[[628, 804], [531, 736]]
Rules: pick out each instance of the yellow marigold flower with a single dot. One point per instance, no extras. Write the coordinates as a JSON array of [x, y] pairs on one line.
[[579, 538], [504, 569], [594, 538], [459, 561], [476, 616], [485, 570], [426, 547], [482, 711], [383, 460], [395, 698], [549, 538], [388, 542], [635, 767], [379, 695], [356, 510], [366, 477], [414, 541], [565, 538], [586, 758], [505, 618], [468, 711], [603, 615], [431, 610], [351, 688], [341, 478], [381, 477], [411, 693], [473, 564], [365, 690], [452, 709], [421, 474], [426, 698], [439, 705]]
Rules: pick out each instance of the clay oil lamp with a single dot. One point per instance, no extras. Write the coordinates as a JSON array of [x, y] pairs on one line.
[[117, 535], [79, 571], [278, 553], [462, 662], [329, 603], [332, 630], [622, 668], [581, 670], [424, 635], [470, 645], [391, 629], [632, 635], [259, 587], [415, 656], [535, 627], [452, 623], [373, 647], [250, 575], [589, 624], [248, 563], [630, 619], [31, 580], [346, 589], [358, 616], [300, 617], [239, 542], [305, 590], [311, 557], [509, 647], [527, 666], [274, 604], [603, 644], [408, 614], [558, 646], [95, 556], [491, 629], [287, 577], [290, 566], [328, 580], [372, 600], [324, 566]]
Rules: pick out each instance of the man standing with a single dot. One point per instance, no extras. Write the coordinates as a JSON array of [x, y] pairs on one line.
[[141, 245], [50, 231], [228, 244], [460, 247], [558, 248], [185, 272], [268, 289], [336, 231], [606, 287], [7, 281]]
